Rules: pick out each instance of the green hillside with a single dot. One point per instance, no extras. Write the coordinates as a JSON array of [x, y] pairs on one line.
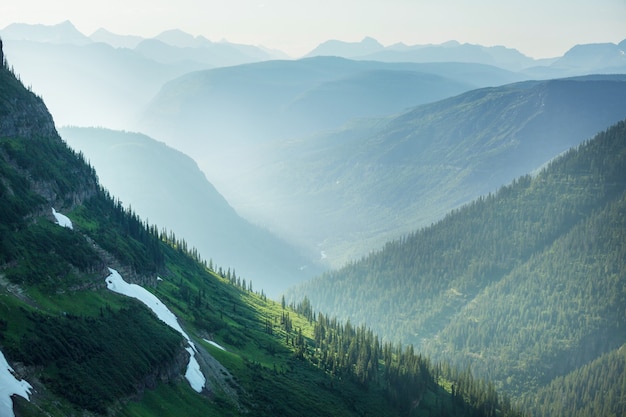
[[87, 350], [523, 286]]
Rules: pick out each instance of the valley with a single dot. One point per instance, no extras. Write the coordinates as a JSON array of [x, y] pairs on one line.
[[366, 230]]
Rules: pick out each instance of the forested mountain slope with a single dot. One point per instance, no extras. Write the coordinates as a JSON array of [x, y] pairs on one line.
[[596, 389], [103, 314], [524, 286]]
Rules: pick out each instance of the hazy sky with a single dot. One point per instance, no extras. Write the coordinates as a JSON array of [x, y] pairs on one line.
[[538, 28]]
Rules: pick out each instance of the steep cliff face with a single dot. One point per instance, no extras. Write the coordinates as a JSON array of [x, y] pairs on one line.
[[22, 113], [32, 148]]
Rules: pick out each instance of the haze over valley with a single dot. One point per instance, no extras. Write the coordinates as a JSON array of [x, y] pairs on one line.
[[379, 223]]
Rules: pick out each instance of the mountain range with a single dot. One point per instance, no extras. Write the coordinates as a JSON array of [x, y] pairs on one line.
[[284, 99], [103, 314], [112, 81], [118, 75], [347, 191], [512, 290], [603, 58], [451, 51]]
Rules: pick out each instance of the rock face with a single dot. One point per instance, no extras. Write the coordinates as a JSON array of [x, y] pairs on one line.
[[29, 119], [24, 116], [169, 371]]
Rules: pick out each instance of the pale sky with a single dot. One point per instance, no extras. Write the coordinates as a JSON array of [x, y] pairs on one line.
[[537, 28]]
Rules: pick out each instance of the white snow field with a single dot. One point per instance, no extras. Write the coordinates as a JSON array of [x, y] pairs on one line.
[[62, 220], [9, 385], [116, 283]]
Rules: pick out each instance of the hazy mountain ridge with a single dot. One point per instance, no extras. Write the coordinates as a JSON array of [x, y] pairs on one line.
[[346, 49], [66, 33], [115, 40], [274, 99], [112, 83], [602, 58], [525, 285], [579, 60], [62, 33], [105, 75], [372, 182], [451, 51]]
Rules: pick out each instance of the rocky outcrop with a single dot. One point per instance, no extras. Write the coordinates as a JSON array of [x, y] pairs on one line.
[[22, 113], [126, 271], [166, 372], [24, 116], [29, 119]]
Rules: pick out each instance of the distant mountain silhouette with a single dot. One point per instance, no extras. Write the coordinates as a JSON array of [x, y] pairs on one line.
[[180, 39], [115, 40], [595, 57], [579, 60], [93, 84], [62, 33], [227, 107], [205, 55], [346, 49], [601, 58], [111, 81], [452, 51]]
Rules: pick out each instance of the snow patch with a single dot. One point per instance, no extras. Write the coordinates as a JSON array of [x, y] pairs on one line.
[[116, 283], [62, 220], [210, 342], [9, 385], [193, 374]]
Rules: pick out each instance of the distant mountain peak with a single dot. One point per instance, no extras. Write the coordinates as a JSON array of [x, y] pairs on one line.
[[370, 41], [64, 32], [596, 57], [181, 39], [451, 44], [115, 40], [333, 47]]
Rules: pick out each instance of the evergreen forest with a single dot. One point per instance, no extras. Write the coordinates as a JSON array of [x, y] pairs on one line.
[[524, 287]]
